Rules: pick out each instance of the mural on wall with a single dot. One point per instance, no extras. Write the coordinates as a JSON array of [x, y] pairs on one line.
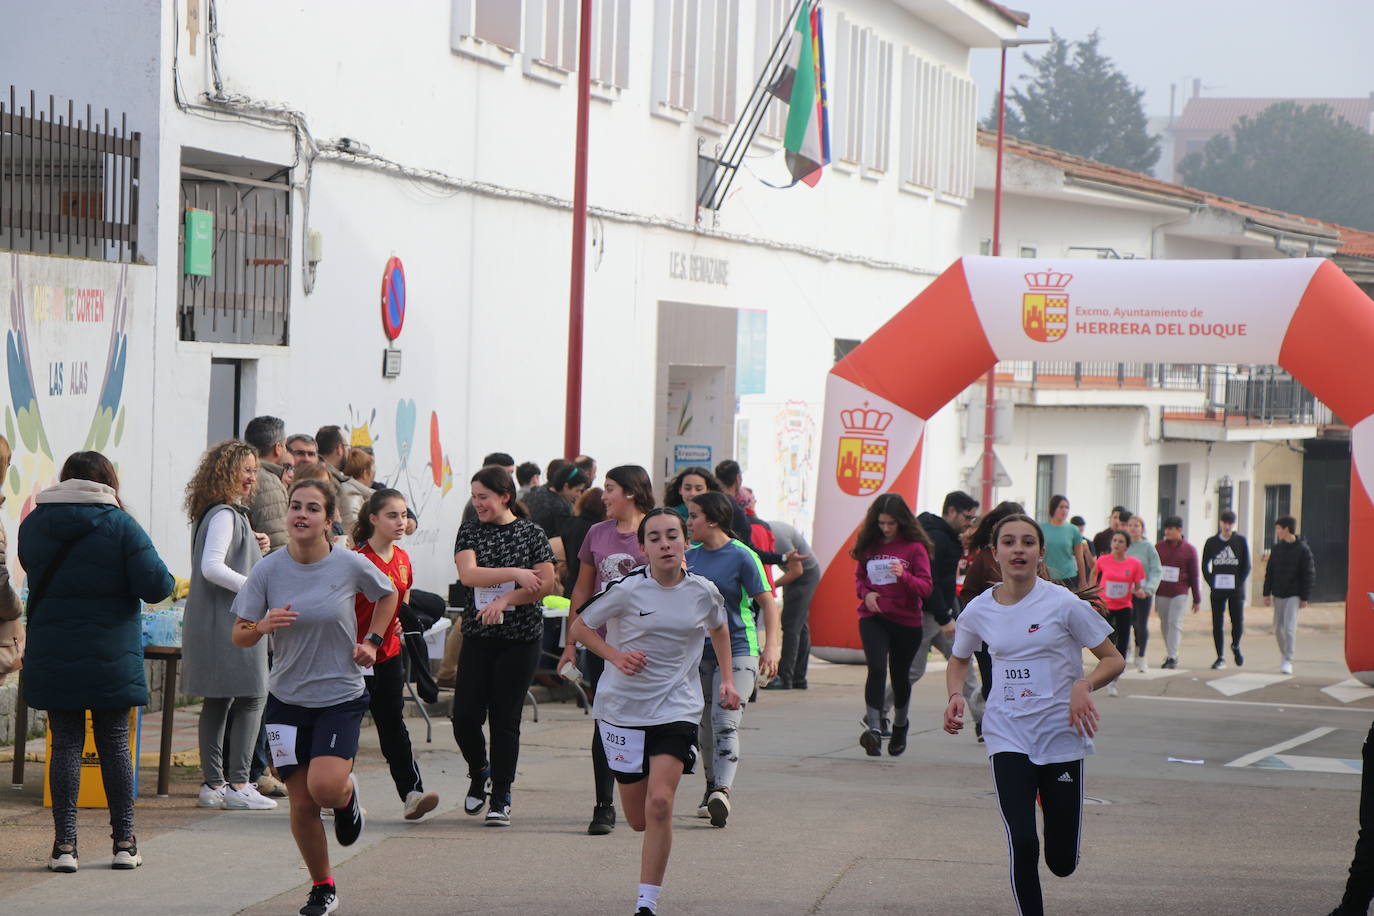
[[795, 456], [421, 485], [68, 327]]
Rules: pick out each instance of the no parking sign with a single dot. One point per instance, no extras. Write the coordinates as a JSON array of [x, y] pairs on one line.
[[393, 298]]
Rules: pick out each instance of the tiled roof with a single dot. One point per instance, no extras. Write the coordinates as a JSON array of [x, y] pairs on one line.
[[1220, 114], [1088, 170], [1011, 15], [1355, 243]]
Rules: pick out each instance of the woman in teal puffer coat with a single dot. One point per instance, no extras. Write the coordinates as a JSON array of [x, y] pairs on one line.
[[84, 639]]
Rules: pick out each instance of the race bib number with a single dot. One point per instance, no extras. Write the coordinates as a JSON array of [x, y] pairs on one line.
[[282, 741], [1170, 574], [880, 572], [486, 594], [1020, 684], [1224, 581], [1118, 589], [624, 747]]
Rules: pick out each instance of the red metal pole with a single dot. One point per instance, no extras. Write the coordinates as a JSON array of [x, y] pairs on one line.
[[989, 387], [572, 415]]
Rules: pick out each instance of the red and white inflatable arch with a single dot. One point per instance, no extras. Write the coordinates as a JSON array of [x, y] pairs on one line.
[[1303, 314]]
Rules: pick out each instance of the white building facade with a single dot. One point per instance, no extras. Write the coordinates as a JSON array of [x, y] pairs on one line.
[[327, 142]]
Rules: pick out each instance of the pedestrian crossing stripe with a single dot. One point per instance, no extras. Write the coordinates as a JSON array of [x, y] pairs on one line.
[[1310, 764]]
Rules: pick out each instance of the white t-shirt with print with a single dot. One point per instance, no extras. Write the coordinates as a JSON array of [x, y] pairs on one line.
[[1037, 653], [666, 624]]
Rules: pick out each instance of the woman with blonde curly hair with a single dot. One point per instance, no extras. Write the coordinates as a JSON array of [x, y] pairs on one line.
[[232, 680]]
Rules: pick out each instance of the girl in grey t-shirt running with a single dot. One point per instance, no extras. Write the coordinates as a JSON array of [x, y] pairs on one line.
[[650, 699], [316, 694]]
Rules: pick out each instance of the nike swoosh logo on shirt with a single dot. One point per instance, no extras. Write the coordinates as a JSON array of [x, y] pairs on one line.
[[647, 613]]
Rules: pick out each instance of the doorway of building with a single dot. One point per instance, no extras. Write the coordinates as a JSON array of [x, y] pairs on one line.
[[1325, 521], [695, 407]]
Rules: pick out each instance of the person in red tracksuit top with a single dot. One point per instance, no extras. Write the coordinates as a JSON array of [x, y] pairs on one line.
[[892, 578], [1180, 578]]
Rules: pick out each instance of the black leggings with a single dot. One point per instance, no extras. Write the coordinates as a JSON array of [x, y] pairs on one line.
[[493, 677], [1140, 621], [386, 704], [601, 769], [889, 648], [1060, 790], [1121, 629], [111, 729], [1220, 602]]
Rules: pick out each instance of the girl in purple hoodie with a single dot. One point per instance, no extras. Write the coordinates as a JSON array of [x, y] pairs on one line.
[[892, 579]]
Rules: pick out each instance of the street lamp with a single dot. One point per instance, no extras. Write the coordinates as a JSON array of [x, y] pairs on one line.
[[989, 400]]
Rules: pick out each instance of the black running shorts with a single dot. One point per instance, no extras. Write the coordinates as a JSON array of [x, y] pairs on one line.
[[630, 748], [298, 734]]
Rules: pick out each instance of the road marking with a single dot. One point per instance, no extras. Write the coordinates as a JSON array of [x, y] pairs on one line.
[[1153, 674], [1304, 738], [1244, 683], [1349, 691], [1311, 764], [1360, 710]]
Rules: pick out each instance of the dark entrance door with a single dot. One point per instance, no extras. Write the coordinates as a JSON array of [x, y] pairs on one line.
[[1168, 497], [1325, 519]]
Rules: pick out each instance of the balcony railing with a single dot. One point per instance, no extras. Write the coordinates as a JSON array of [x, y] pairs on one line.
[[1240, 394]]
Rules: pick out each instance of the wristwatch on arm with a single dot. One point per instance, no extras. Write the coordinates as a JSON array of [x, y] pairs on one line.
[[376, 640]]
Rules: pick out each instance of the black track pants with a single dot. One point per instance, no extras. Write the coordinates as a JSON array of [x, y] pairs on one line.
[[1060, 789]]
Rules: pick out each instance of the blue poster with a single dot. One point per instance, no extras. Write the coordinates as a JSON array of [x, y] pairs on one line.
[[751, 351]]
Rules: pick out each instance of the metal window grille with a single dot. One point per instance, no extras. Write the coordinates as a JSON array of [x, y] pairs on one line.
[[1123, 485], [68, 184], [1277, 500], [246, 298]]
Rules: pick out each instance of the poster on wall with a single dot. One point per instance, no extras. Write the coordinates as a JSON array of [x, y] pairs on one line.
[[67, 354], [691, 456]]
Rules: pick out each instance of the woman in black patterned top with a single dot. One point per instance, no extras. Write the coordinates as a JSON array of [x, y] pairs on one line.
[[507, 563]]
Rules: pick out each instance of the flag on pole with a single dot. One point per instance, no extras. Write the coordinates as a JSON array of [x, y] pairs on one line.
[[807, 137]]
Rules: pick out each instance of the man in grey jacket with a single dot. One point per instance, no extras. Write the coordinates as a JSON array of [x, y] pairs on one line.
[[267, 513]]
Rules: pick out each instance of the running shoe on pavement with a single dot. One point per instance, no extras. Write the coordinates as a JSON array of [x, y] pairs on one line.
[[703, 810], [418, 804], [718, 804], [1142, 664], [478, 790], [1170, 663], [1286, 668], [603, 820], [872, 742], [1219, 664], [498, 815], [63, 858], [897, 743], [246, 799], [323, 899], [211, 796], [1240, 659], [126, 854], [349, 820]]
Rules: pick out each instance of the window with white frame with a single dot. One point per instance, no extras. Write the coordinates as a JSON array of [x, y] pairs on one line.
[[486, 28], [939, 127], [862, 129], [696, 56], [551, 32]]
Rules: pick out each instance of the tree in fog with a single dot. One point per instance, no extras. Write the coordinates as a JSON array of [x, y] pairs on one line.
[[1078, 102], [1298, 159]]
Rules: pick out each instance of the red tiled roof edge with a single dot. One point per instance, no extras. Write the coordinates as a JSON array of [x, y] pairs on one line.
[[1014, 16], [1125, 178]]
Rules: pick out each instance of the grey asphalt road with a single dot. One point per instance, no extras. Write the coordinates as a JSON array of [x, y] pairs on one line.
[[819, 828]]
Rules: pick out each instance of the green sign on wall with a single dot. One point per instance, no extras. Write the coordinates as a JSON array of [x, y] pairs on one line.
[[200, 242]]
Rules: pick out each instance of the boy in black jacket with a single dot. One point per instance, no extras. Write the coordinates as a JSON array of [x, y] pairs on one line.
[[1288, 578], [1225, 566]]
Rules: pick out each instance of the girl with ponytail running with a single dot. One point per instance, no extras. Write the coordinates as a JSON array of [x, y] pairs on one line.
[[380, 524], [1040, 718], [738, 574]]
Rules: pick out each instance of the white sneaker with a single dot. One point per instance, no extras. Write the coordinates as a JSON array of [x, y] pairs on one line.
[[1141, 664], [1286, 668], [418, 804], [1112, 691], [247, 799], [211, 796]]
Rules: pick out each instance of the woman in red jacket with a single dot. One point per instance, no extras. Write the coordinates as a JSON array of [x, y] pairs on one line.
[[892, 578]]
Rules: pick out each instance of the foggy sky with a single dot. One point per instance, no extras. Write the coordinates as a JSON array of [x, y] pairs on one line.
[[1241, 48]]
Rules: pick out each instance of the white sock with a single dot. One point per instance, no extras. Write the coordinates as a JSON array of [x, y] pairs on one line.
[[648, 896]]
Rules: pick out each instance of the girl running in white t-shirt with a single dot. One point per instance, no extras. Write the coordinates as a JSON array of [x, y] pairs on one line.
[[1040, 716], [649, 699]]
